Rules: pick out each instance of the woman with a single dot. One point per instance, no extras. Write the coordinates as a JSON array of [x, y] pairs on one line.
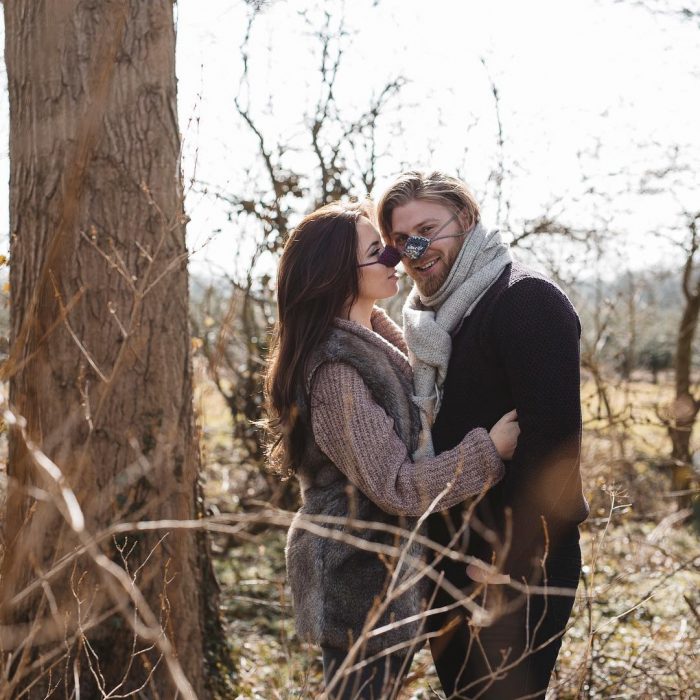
[[339, 397]]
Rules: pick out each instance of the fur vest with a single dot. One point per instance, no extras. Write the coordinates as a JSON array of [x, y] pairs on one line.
[[335, 585]]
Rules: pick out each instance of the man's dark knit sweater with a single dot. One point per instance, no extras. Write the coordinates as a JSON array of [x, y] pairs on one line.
[[519, 348]]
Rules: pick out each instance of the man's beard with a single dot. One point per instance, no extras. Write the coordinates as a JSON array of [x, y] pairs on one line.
[[431, 286]]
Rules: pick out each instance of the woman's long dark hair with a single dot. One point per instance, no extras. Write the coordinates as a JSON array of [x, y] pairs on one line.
[[317, 280]]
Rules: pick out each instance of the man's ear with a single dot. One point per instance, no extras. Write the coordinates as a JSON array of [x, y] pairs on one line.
[[464, 219]]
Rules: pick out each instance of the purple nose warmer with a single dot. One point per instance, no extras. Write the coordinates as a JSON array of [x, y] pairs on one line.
[[389, 257]]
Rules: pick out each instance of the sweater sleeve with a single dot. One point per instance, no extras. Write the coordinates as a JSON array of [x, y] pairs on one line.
[[537, 338], [359, 437]]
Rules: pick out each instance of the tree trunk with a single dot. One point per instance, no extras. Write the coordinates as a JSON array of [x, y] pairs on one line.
[[99, 367], [685, 408]]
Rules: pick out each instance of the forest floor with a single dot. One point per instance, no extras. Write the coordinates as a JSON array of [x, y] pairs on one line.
[[635, 629]]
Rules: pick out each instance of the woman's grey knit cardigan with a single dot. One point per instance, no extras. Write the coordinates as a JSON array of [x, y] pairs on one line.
[[336, 584]]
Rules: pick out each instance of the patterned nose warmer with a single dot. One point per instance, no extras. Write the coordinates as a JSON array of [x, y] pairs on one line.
[[416, 246]]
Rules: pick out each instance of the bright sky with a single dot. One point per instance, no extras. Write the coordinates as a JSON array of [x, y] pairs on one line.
[[589, 88], [596, 89]]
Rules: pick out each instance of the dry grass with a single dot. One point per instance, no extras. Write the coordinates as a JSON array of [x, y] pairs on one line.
[[635, 630]]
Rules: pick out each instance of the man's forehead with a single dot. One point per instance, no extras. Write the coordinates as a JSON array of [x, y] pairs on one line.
[[416, 212]]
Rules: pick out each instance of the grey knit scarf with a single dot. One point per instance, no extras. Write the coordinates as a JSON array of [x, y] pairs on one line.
[[429, 321]]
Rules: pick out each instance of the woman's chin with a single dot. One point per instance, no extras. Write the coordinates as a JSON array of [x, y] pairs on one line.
[[393, 287]]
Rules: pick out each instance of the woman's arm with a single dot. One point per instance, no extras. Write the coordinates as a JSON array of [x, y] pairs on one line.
[[359, 437]]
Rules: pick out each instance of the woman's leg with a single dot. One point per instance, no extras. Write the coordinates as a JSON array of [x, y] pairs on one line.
[[378, 680]]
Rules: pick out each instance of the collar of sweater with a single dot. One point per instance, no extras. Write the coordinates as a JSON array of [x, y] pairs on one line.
[[385, 335]]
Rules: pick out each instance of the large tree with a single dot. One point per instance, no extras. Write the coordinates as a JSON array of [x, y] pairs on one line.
[[100, 374]]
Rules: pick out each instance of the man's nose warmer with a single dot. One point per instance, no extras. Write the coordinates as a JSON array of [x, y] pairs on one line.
[[416, 246]]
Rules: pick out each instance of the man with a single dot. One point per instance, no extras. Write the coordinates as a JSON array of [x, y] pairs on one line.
[[486, 335]]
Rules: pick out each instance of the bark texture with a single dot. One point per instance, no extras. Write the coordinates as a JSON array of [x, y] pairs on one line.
[[684, 410], [685, 407], [100, 366]]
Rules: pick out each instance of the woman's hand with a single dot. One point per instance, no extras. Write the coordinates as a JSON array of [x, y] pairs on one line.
[[505, 435]]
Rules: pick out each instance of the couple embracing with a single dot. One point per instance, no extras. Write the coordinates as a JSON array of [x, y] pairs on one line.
[[439, 466]]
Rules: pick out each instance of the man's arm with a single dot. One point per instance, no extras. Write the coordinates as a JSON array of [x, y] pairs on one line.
[[537, 337]]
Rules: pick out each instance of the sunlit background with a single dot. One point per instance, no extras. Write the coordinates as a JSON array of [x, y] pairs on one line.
[[596, 105], [593, 123]]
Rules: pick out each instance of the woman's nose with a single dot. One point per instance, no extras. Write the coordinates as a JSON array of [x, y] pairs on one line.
[[390, 257]]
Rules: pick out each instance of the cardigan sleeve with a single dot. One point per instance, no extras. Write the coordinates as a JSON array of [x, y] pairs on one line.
[[358, 436]]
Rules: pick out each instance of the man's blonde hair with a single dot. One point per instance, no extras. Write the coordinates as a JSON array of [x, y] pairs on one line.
[[435, 187]]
